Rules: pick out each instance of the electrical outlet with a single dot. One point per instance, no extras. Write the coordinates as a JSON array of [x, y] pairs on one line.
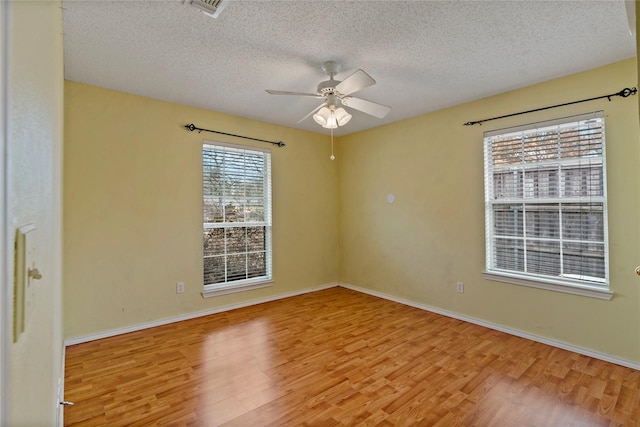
[[179, 287], [460, 287]]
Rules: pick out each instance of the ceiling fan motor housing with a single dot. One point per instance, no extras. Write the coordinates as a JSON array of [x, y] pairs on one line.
[[332, 101], [328, 87]]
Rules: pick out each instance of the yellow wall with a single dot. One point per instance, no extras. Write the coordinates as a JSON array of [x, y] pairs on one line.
[[433, 235], [636, 9], [35, 107], [133, 218], [133, 215]]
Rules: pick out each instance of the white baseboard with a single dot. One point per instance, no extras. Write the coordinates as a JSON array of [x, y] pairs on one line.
[[141, 326], [516, 332]]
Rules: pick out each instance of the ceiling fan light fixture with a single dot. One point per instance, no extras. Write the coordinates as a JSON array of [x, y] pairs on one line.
[[331, 119], [342, 117], [322, 116], [332, 123]]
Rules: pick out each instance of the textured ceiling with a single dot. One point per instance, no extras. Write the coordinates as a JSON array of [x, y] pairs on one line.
[[425, 55]]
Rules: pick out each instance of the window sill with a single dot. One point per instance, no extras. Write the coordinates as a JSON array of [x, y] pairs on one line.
[[215, 291], [559, 286]]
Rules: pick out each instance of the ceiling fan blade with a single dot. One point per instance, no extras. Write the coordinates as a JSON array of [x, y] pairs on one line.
[[372, 108], [284, 92], [312, 111], [356, 81]]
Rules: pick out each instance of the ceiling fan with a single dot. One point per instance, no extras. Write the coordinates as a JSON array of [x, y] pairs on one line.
[[329, 114]]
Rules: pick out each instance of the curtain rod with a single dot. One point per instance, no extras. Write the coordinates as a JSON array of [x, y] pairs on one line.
[[191, 127], [623, 93]]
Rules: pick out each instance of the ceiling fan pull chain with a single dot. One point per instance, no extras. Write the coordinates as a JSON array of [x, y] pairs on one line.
[[332, 156]]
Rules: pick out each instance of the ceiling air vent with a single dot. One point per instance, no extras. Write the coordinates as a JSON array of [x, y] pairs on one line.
[[210, 8]]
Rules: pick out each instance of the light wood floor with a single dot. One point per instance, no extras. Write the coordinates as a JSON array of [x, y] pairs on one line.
[[339, 357]]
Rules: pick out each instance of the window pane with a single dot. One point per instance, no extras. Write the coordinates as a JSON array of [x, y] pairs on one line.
[[214, 270], [509, 254], [507, 220], [237, 267], [543, 257], [236, 240], [540, 147], [583, 181], [256, 264], [256, 239], [233, 212], [234, 171], [583, 222], [213, 211], [506, 150], [254, 178], [543, 220], [213, 241], [254, 213], [582, 141], [541, 183], [254, 187], [584, 259], [507, 185], [212, 177]]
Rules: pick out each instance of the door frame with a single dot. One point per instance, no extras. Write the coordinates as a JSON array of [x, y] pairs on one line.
[[6, 264]]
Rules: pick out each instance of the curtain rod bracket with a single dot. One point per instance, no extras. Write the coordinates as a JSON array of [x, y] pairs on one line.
[[624, 93], [191, 127]]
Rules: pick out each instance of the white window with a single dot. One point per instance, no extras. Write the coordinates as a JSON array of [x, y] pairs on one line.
[[546, 205], [236, 199]]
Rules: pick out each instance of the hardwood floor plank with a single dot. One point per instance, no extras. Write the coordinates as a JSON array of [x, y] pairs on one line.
[[339, 357]]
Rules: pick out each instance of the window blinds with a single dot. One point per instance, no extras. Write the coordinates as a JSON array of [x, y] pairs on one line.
[[236, 194], [545, 194]]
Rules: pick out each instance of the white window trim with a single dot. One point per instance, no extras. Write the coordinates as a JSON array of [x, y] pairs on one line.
[[231, 288], [541, 282], [212, 290], [549, 284]]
